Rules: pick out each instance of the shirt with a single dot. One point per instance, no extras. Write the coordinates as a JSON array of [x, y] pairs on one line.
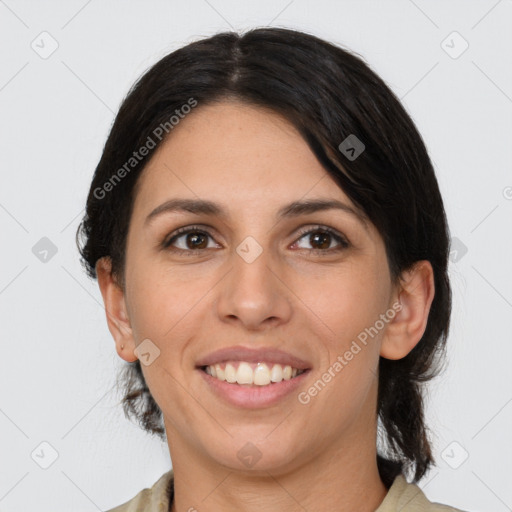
[[402, 496]]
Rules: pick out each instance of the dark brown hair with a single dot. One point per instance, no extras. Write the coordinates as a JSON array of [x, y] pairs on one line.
[[327, 93]]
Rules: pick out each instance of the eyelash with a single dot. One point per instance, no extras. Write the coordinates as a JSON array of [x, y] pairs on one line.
[[342, 241]]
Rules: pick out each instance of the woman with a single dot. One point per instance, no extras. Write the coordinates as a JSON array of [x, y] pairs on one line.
[[271, 246]]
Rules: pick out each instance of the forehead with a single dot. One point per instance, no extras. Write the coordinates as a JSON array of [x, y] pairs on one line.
[[237, 141], [232, 148]]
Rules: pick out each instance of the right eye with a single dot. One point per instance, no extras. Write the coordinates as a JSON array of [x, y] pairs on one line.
[[188, 239]]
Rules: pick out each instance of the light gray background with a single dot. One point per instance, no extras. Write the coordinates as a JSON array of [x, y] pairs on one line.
[[58, 364]]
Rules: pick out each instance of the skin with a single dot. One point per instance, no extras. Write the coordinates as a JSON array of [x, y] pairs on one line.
[[317, 456]]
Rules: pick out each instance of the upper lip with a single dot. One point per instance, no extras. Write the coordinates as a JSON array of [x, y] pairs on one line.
[[252, 355]]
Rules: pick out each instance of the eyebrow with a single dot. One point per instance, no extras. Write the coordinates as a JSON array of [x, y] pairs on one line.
[[294, 209]]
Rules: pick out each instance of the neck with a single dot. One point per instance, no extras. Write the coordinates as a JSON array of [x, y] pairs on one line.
[[344, 478]]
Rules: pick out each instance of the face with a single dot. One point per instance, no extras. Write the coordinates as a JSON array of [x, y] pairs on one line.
[[306, 283]]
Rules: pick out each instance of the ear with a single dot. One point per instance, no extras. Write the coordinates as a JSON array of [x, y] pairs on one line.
[[115, 309], [412, 302]]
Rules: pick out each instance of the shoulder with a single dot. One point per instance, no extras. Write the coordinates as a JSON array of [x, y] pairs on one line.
[[408, 497], [153, 499], [402, 496]]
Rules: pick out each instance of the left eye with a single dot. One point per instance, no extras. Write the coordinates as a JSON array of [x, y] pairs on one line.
[[323, 238]]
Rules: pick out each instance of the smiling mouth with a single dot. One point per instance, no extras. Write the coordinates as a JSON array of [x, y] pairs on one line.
[[252, 374]]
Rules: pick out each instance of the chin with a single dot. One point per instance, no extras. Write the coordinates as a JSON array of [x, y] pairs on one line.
[[245, 454]]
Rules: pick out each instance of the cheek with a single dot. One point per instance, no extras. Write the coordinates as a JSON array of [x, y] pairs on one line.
[[160, 296], [165, 312], [349, 303], [346, 300]]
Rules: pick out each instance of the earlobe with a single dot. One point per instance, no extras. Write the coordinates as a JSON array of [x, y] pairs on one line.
[[415, 295], [115, 309]]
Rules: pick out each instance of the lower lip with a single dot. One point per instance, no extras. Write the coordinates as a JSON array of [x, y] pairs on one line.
[[253, 397]]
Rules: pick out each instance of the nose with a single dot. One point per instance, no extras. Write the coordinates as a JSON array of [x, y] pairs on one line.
[[253, 294]]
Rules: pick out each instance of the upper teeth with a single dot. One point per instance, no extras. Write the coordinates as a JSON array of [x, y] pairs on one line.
[[261, 375]]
